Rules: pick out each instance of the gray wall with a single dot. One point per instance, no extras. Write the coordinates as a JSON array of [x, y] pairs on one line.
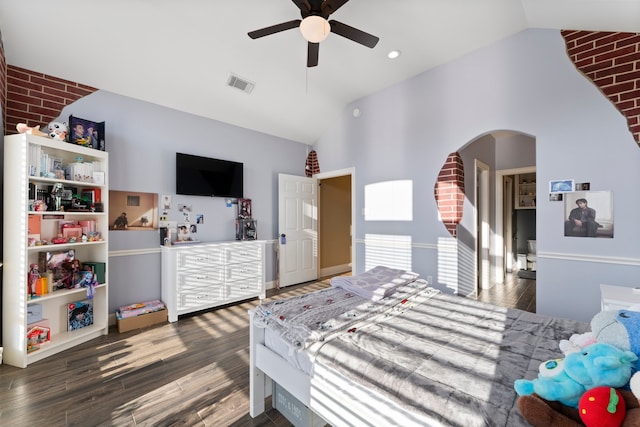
[[524, 83], [142, 139]]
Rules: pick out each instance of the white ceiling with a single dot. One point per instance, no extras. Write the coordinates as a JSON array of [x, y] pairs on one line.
[[180, 53]]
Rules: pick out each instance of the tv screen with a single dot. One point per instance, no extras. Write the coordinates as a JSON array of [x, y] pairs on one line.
[[204, 176]]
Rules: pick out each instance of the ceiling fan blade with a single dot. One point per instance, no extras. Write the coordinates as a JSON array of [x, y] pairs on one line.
[[274, 29], [312, 54], [354, 34], [330, 6]]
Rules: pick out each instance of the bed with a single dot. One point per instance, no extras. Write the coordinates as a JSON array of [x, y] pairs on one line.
[[415, 357]]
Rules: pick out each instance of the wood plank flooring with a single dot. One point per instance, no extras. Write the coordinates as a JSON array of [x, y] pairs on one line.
[[193, 372], [515, 292]]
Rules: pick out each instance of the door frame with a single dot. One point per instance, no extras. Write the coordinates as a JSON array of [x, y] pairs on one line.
[[507, 228], [482, 223], [499, 234], [334, 174]]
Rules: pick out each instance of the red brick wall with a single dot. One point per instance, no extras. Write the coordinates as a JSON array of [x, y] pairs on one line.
[[612, 62], [449, 192], [312, 166], [36, 98]]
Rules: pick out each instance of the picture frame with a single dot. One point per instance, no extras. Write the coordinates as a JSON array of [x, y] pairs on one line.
[[593, 209], [183, 232], [244, 208], [79, 314], [86, 133], [561, 186]]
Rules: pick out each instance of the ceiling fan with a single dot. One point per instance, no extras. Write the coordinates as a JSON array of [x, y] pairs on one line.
[[315, 27]]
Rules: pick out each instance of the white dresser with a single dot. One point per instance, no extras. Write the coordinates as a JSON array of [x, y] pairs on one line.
[[618, 297], [204, 275]]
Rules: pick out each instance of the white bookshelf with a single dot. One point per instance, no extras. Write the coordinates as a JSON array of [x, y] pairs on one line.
[[20, 152]]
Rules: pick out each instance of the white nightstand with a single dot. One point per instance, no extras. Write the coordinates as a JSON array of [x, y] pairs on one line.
[[618, 297]]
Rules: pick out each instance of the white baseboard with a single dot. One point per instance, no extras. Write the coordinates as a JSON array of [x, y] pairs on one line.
[[334, 270]]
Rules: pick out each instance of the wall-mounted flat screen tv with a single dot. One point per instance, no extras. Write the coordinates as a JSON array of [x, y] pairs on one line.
[[204, 176]]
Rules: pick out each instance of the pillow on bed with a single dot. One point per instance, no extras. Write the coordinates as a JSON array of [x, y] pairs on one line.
[[375, 284]]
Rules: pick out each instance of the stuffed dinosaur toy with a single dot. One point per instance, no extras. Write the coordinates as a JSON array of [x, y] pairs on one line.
[[596, 365]]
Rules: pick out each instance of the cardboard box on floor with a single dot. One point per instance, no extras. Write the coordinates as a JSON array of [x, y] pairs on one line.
[[142, 321]]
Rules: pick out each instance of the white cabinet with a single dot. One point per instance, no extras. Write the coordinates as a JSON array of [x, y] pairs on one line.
[[204, 275], [618, 297], [525, 190], [25, 159]]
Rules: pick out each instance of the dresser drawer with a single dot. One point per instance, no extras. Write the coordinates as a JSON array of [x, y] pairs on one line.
[[200, 259], [191, 300], [199, 280], [244, 289], [240, 272], [242, 252]]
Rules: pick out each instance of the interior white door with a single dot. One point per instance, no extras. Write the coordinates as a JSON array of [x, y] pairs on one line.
[[298, 229]]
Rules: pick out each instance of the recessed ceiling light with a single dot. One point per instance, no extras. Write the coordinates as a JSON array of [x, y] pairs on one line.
[[393, 54]]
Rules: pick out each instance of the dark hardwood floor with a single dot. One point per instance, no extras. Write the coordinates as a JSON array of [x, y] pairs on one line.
[[193, 372], [515, 292]]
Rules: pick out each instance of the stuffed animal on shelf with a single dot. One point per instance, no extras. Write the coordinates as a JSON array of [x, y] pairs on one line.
[[23, 128], [58, 130], [596, 365]]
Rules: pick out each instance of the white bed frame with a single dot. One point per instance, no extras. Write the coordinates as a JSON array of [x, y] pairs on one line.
[[337, 400]]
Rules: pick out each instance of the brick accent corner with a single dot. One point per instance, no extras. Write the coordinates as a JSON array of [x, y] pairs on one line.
[[312, 166], [612, 62], [449, 192], [36, 98]]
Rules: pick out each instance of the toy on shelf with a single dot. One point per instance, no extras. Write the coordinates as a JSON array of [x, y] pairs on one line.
[[34, 275], [58, 130], [23, 128], [88, 281]]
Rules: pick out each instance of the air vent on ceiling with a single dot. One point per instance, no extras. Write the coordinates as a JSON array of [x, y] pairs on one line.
[[240, 83]]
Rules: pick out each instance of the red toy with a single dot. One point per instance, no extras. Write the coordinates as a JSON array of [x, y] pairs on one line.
[[602, 407]]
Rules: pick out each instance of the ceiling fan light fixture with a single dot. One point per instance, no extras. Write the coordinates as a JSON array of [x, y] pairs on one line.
[[315, 28]]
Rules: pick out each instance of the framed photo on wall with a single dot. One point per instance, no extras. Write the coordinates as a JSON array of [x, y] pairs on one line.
[[86, 133], [588, 214], [561, 186]]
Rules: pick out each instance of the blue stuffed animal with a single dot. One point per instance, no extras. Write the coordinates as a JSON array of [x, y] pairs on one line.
[[596, 365], [620, 328]]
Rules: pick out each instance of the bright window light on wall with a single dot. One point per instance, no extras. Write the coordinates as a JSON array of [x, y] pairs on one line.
[[448, 262], [389, 201], [392, 251]]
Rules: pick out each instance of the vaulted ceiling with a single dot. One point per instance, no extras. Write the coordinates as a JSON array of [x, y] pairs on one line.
[[181, 53]]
